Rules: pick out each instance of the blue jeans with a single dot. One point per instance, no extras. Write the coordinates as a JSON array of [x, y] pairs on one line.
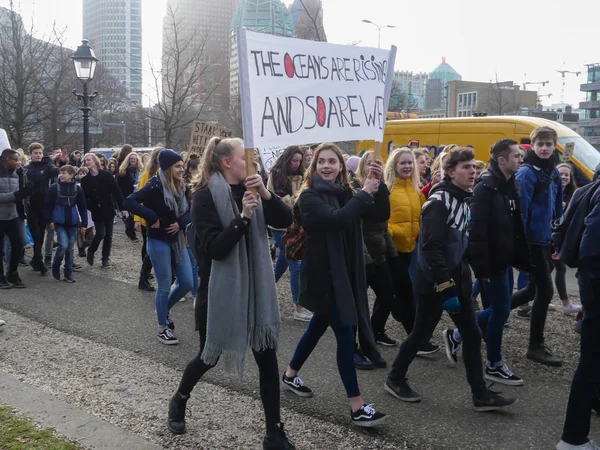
[[66, 237], [497, 292], [344, 334], [162, 254], [283, 263], [586, 381], [194, 273], [522, 280]]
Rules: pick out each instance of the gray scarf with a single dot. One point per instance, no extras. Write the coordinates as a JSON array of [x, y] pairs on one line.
[[242, 300], [179, 204]]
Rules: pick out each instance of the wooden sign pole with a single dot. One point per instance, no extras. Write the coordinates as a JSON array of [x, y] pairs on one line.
[[251, 166], [376, 153]]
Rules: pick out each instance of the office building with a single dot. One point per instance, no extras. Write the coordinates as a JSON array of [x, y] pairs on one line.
[[261, 16], [114, 30], [589, 125], [414, 86]]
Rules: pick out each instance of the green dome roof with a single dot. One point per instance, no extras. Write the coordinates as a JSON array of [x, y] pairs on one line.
[[445, 73], [264, 16]]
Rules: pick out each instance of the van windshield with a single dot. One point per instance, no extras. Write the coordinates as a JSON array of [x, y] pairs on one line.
[[584, 152]]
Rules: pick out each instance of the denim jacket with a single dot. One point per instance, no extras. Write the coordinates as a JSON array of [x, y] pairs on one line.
[[541, 202]]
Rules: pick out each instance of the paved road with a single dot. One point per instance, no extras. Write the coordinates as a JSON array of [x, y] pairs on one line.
[[119, 315]]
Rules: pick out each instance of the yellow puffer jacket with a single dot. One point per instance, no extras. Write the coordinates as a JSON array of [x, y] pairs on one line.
[[405, 218], [144, 178]]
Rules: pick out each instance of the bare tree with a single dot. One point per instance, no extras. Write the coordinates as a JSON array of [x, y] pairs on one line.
[[310, 23], [190, 75], [23, 59], [502, 99]]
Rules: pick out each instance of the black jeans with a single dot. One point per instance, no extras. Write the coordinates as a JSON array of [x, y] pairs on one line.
[[37, 228], [586, 382], [539, 290], [146, 262], [12, 229], [104, 230], [401, 304], [267, 368], [380, 279], [560, 279], [429, 312]]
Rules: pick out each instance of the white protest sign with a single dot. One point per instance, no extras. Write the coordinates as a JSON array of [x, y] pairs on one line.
[[4, 144], [269, 156], [295, 91]]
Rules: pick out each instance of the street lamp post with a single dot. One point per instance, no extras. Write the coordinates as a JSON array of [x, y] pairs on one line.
[[85, 62], [379, 30]]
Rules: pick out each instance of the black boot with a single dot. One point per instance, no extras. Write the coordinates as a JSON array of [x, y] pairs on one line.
[[176, 422], [14, 280], [277, 440], [145, 285]]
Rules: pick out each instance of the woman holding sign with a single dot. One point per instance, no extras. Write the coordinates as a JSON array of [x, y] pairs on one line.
[[333, 283], [285, 180], [237, 303]]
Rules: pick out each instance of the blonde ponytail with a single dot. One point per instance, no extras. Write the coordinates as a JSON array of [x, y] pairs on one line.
[[215, 151]]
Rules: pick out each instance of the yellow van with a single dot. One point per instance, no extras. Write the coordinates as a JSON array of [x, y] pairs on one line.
[[480, 133]]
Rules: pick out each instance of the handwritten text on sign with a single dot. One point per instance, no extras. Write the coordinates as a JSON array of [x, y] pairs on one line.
[[202, 133], [303, 91]]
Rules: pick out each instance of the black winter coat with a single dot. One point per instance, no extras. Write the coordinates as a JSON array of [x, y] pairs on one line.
[[128, 181], [319, 218], [149, 204], [100, 190], [41, 174], [496, 232], [215, 242]]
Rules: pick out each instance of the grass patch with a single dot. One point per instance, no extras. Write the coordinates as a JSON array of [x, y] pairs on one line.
[[18, 433]]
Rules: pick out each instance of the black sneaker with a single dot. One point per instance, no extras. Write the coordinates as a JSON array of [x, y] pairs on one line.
[[81, 253], [502, 375], [378, 361], [360, 362], [77, 267], [90, 258], [452, 346], [4, 284], [428, 349], [277, 440], [296, 385], [366, 416], [401, 390], [385, 340], [70, 279], [170, 323], [144, 285], [523, 313], [176, 420], [14, 280], [105, 264], [492, 401], [34, 266], [56, 272], [167, 337], [541, 354]]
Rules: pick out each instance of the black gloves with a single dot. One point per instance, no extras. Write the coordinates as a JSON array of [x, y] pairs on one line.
[[24, 192]]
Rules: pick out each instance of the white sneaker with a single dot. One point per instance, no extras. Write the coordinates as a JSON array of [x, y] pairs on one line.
[[2, 322], [303, 316], [589, 445], [571, 308], [551, 307]]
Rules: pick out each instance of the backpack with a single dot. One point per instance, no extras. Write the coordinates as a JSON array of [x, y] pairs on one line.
[[568, 230]]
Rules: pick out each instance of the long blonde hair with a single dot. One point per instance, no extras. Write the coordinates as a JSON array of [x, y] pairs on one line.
[[363, 168], [125, 164], [173, 184], [211, 161], [390, 174], [152, 166]]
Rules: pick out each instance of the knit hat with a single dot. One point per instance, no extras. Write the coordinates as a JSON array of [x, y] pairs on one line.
[[352, 163], [167, 157]]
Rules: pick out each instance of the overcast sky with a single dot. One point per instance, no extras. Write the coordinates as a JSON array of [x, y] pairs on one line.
[[520, 40]]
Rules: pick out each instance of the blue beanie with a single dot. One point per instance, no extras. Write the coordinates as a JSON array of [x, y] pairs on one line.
[[167, 157]]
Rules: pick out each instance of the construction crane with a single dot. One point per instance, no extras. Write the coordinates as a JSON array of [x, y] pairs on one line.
[[562, 89], [543, 83]]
